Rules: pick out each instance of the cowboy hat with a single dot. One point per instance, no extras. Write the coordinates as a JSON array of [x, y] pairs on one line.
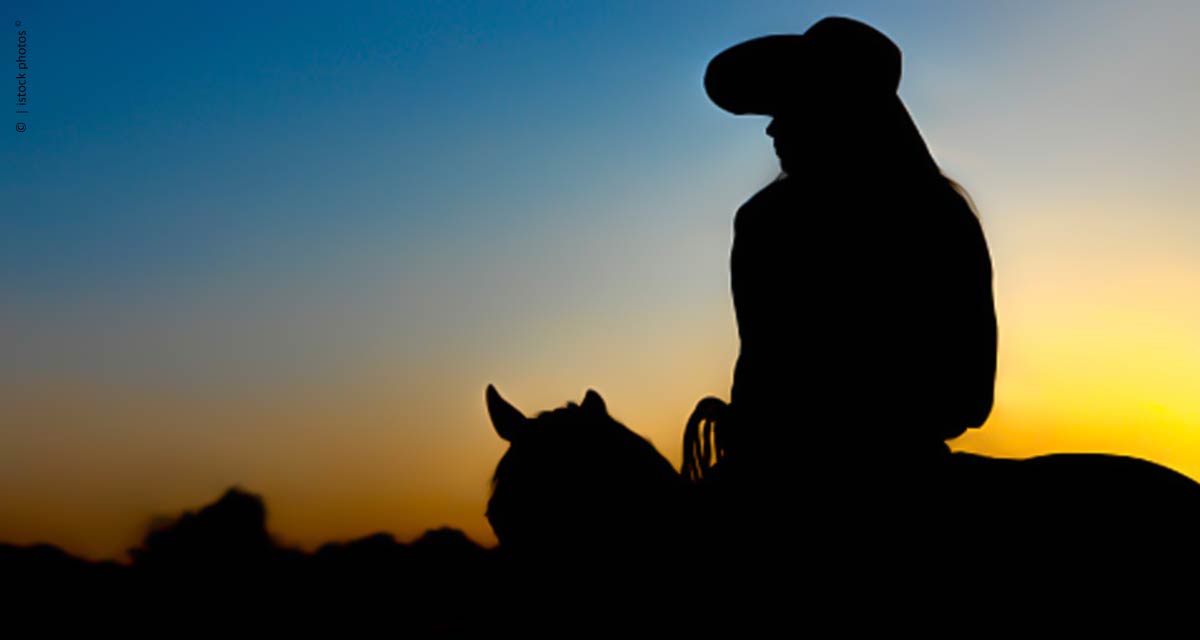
[[837, 58]]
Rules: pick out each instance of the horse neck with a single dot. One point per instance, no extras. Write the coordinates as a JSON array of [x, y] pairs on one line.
[[824, 465]]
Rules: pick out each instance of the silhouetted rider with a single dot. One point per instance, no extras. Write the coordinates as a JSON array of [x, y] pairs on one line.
[[861, 278]]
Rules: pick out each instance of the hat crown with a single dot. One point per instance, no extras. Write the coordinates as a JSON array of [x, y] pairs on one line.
[[836, 58]]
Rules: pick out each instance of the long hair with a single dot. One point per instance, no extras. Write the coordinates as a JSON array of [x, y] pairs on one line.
[[886, 130], [950, 342]]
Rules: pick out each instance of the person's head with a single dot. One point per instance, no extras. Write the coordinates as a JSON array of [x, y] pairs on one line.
[[831, 94], [837, 140]]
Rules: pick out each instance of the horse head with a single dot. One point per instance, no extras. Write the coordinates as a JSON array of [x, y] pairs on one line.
[[574, 480]]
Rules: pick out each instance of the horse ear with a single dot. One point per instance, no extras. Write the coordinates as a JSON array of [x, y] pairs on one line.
[[594, 403], [507, 420]]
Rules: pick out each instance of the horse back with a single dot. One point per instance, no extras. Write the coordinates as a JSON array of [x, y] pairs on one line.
[[1086, 509]]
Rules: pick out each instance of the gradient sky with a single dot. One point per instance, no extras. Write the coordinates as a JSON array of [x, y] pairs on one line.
[[287, 246]]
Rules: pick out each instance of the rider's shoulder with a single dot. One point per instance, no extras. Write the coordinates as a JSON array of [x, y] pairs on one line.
[[773, 192], [768, 198]]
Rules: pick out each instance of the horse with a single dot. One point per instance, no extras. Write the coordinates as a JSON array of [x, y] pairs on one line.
[[579, 494]]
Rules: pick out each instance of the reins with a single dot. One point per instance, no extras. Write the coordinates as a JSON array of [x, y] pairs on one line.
[[703, 446]]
